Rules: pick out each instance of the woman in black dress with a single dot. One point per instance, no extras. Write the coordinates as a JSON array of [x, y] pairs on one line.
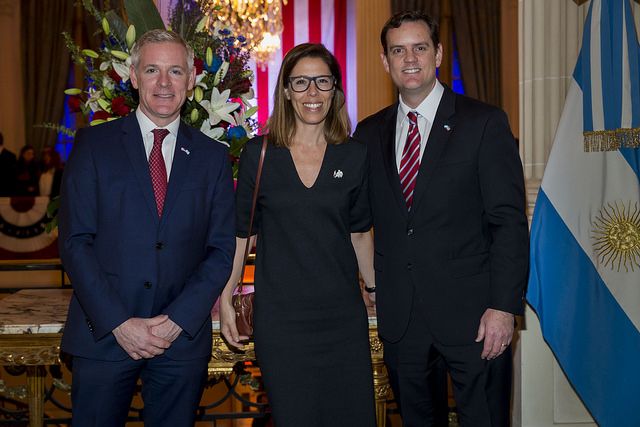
[[312, 221]]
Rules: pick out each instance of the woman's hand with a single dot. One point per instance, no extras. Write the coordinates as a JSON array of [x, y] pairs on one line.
[[228, 324]]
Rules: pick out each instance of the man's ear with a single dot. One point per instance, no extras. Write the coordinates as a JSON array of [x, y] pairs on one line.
[[438, 55], [385, 61], [133, 76]]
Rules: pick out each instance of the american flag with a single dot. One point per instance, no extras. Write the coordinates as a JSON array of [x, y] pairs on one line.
[[330, 22]]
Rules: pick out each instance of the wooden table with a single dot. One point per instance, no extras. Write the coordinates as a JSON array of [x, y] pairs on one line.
[[31, 324]]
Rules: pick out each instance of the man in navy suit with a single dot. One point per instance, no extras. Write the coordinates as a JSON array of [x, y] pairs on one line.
[[147, 237], [451, 238]]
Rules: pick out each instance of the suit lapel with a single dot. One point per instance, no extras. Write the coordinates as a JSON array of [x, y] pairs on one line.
[[388, 149], [134, 146], [179, 169], [443, 125]]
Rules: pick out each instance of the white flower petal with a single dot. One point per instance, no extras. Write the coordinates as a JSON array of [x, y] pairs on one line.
[[122, 69]]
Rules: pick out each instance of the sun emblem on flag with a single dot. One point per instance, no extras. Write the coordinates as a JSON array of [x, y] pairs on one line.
[[617, 236]]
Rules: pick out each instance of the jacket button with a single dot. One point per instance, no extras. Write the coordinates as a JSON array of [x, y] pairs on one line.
[[409, 266], [410, 232], [147, 285], [159, 245]]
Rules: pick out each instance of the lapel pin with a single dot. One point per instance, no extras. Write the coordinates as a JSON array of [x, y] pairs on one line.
[[337, 173], [185, 150], [447, 127]]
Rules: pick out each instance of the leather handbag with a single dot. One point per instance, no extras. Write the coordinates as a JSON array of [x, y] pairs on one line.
[[243, 302]]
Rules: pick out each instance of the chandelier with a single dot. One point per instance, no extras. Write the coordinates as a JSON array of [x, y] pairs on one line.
[[259, 21]]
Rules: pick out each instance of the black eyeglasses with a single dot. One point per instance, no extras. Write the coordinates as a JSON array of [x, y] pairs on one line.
[[301, 83]]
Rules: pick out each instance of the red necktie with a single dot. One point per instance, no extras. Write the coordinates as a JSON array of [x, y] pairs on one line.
[[158, 169], [410, 162]]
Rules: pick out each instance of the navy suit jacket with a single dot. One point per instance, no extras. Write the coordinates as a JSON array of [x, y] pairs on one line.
[[123, 260], [463, 246]]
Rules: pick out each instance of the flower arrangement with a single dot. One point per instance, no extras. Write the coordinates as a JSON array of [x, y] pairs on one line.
[[219, 103]]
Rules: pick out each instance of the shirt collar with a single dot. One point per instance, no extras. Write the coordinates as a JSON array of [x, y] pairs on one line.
[[146, 125], [427, 107]]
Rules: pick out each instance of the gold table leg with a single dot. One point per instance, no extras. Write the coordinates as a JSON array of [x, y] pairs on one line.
[[380, 379], [35, 395]]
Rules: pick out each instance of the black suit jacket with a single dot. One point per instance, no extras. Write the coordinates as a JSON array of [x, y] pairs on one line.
[[463, 246]]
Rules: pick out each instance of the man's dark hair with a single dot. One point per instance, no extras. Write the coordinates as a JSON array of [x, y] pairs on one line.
[[410, 16]]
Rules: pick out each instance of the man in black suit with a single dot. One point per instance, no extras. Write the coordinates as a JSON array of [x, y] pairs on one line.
[[7, 170], [450, 230]]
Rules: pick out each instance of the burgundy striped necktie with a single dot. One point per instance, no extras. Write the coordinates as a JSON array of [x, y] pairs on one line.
[[158, 169], [410, 162]]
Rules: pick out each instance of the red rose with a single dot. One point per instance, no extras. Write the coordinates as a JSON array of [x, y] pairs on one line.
[[101, 115], [199, 64], [243, 86], [74, 102], [114, 76], [119, 106]]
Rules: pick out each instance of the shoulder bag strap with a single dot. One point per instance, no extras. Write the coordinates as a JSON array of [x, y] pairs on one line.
[[253, 210]]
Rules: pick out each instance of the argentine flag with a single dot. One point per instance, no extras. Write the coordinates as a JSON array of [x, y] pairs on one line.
[[584, 282]]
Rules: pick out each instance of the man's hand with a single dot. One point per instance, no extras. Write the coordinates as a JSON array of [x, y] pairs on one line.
[[135, 337], [496, 329], [167, 330]]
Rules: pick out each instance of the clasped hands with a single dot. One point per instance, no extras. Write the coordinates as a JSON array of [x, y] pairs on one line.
[[146, 338]]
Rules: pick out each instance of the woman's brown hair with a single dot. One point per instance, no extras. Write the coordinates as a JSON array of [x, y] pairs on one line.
[[282, 123]]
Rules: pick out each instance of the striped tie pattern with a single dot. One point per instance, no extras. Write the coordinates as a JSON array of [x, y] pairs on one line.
[[410, 162], [158, 169]]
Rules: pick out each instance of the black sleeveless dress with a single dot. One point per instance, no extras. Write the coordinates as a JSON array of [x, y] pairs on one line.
[[311, 330]]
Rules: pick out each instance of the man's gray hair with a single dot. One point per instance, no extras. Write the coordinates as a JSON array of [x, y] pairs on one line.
[[160, 36]]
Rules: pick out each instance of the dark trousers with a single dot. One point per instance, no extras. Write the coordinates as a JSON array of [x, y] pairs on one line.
[[482, 389], [171, 389]]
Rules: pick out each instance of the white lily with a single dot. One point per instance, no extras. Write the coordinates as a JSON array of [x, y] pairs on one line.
[[218, 108], [241, 119], [198, 83], [108, 83], [122, 68], [211, 132], [247, 97], [92, 101]]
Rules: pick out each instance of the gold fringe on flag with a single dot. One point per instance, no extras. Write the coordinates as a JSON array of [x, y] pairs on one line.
[[611, 140]]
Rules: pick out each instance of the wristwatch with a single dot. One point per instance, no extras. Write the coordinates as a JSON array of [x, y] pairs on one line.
[[369, 290]]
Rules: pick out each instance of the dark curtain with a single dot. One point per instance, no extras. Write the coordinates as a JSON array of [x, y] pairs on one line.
[[45, 64], [476, 26], [431, 7], [477, 34]]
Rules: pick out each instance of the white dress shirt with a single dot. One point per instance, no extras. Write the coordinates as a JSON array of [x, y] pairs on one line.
[[169, 143], [426, 114]]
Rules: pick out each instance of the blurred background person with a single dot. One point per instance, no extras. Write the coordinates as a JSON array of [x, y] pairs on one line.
[[51, 173], [7, 170], [27, 173]]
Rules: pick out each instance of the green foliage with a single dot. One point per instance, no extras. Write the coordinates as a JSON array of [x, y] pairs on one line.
[[144, 15]]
